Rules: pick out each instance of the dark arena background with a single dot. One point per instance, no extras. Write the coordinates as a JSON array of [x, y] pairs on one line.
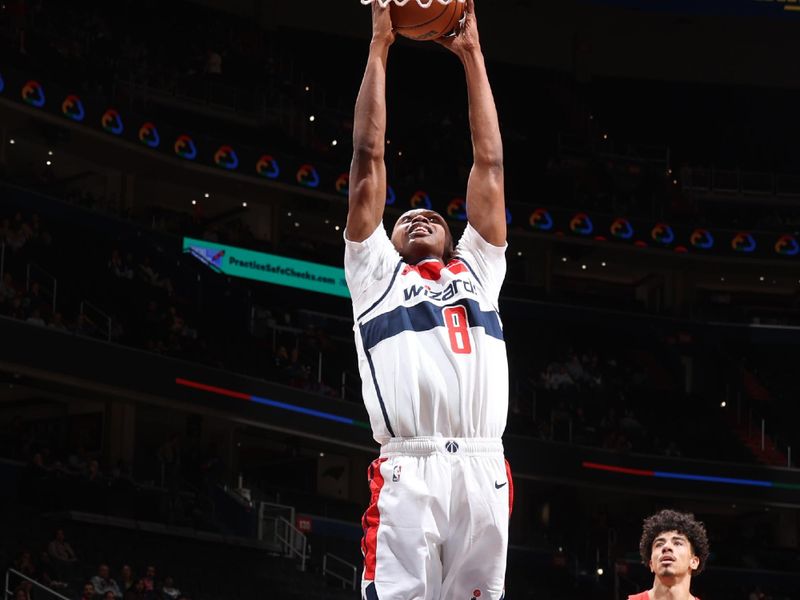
[[179, 394]]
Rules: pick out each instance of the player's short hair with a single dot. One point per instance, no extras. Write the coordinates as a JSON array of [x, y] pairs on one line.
[[683, 523]]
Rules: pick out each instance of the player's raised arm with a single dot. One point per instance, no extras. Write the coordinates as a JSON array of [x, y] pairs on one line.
[[485, 189], [367, 196]]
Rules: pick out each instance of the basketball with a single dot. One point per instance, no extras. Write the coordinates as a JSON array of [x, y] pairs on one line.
[[426, 23]]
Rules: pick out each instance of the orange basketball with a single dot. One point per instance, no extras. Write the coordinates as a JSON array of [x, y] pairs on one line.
[[413, 21]]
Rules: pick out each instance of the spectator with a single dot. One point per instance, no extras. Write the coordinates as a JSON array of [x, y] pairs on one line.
[[88, 592], [150, 582], [36, 318], [103, 583], [169, 591], [24, 564], [136, 592], [64, 558], [57, 322], [126, 579], [23, 591], [118, 267]]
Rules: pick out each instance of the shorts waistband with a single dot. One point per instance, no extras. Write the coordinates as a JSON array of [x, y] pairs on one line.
[[423, 446]]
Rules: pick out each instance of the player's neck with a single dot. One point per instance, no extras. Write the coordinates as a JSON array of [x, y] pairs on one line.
[[673, 589]]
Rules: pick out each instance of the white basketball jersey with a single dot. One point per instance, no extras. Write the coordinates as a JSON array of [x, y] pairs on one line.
[[429, 339]]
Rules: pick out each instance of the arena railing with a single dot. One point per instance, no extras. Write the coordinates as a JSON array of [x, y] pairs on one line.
[[351, 579], [97, 318], [13, 573]]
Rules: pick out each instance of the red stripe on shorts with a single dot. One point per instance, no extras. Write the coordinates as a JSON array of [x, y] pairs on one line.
[[371, 519], [510, 489]]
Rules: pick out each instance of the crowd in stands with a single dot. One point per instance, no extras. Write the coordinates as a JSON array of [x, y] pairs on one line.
[[584, 396], [59, 566]]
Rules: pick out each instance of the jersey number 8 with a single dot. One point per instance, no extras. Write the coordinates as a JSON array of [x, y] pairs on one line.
[[455, 319]]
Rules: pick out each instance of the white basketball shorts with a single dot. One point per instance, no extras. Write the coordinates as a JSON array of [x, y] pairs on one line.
[[437, 523]]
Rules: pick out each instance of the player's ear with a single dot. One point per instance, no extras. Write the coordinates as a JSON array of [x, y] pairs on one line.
[[694, 563], [650, 565]]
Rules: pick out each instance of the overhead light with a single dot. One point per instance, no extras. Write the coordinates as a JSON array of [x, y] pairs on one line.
[[722, 279], [312, 118], [519, 253], [12, 141], [322, 455], [327, 221], [48, 163], [334, 142], [207, 195], [674, 182], [563, 259], [308, 88], [296, 224], [194, 202], [605, 136], [49, 153], [400, 153], [584, 267], [599, 570], [289, 214], [244, 204], [723, 404], [761, 278], [603, 264], [336, 228], [388, 141]]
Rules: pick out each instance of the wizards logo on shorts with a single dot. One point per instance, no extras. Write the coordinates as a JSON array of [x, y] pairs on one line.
[[33, 94], [621, 229], [787, 246], [457, 209], [307, 176], [420, 199], [148, 135], [226, 158], [662, 233], [743, 242], [72, 108], [112, 122], [701, 239], [541, 220], [343, 184], [581, 224], [185, 148], [268, 167]]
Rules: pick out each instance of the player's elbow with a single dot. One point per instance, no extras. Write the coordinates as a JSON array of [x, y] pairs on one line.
[[367, 151], [489, 159]]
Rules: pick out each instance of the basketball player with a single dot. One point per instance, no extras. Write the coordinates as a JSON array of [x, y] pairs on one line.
[[431, 355], [675, 547]]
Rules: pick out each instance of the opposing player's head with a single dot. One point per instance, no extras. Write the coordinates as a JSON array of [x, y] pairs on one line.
[[422, 233], [673, 545]]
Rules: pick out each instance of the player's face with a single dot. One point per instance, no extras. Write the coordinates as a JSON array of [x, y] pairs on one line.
[[420, 233], [672, 556]]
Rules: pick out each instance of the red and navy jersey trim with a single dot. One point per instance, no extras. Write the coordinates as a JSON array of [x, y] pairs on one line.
[[423, 317]]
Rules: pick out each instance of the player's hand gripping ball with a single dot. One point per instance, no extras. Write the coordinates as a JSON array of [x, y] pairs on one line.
[[420, 23]]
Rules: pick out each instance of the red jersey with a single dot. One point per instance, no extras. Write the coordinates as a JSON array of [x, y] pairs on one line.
[[644, 596]]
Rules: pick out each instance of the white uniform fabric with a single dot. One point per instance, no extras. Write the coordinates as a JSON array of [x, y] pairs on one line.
[[437, 524], [429, 339], [434, 375]]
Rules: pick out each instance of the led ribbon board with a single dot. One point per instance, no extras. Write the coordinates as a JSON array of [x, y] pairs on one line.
[[269, 268]]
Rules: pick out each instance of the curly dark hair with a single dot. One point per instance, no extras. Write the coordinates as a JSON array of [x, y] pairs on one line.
[[683, 523]]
